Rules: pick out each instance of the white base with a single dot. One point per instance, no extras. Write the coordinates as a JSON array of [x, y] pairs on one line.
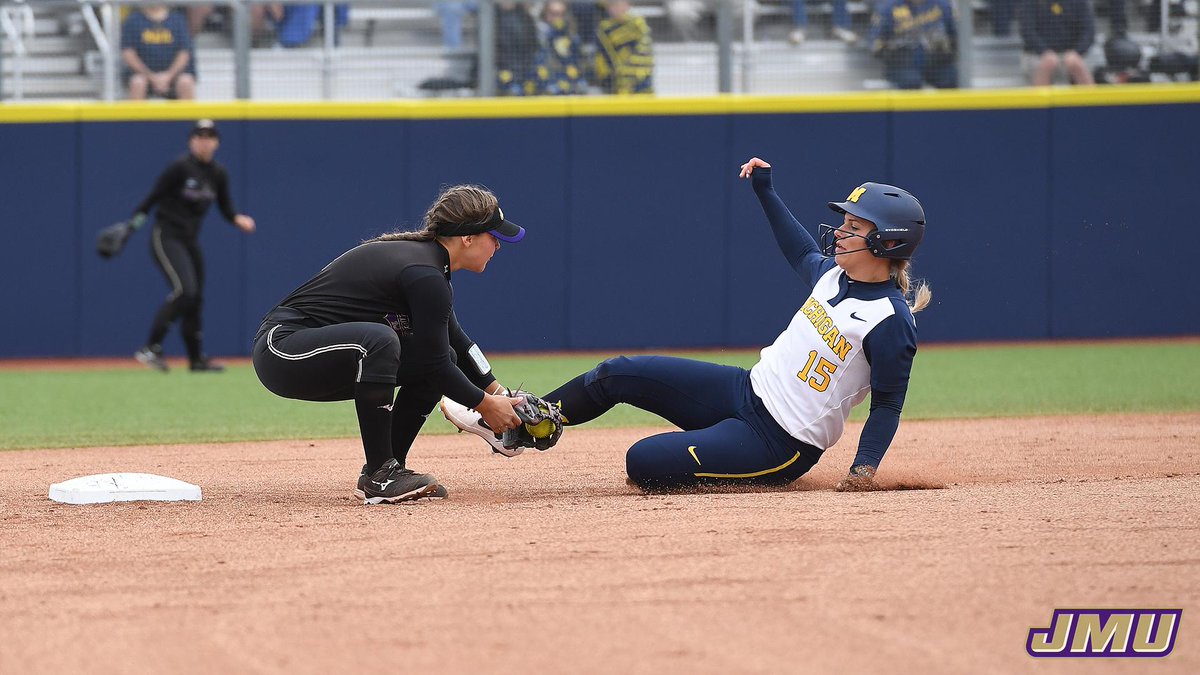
[[123, 487]]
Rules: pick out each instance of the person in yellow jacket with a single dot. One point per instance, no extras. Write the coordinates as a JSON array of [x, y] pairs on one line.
[[624, 55]]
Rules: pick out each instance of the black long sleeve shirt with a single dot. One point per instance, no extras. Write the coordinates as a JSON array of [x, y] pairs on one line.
[[406, 285], [184, 192]]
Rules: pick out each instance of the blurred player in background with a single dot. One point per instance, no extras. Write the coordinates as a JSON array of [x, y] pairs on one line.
[[183, 194], [854, 335], [381, 315]]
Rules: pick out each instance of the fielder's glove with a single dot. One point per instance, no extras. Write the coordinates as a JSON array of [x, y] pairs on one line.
[[542, 424], [111, 240], [860, 479]]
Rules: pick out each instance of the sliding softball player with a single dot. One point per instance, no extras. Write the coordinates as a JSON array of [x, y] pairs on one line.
[[853, 335]]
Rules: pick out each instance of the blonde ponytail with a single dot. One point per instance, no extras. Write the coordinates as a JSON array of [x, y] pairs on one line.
[[921, 295]]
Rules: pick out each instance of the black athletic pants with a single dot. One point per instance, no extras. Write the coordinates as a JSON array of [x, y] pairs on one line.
[[182, 264], [326, 363]]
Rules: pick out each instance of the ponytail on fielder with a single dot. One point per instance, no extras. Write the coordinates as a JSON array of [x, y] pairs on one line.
[[457, 204]]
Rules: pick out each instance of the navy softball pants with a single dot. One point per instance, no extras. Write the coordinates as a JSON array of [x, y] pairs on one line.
[[727, 435]]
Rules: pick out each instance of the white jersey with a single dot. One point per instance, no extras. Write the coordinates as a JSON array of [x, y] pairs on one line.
[[816, 371]]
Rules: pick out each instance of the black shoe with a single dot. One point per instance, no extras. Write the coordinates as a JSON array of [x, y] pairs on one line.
[[151, 357], [203, 365], [393, 483]]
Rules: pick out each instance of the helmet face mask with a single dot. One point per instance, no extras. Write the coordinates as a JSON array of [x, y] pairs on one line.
[[897, 215]]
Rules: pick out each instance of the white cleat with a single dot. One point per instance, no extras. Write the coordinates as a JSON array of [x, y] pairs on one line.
[[468, 420]]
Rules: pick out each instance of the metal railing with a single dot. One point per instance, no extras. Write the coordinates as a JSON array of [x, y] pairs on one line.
[[16, 24]]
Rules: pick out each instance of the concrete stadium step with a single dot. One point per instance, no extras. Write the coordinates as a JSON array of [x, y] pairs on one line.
[[43, 65], [52, 44], [44, 88]]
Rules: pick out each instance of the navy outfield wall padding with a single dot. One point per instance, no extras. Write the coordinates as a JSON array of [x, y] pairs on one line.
[[316, 189], [820, 158], [982, 179], [1125, 179], [520, 301], [647, 242], [1044, 221], [40, 302]]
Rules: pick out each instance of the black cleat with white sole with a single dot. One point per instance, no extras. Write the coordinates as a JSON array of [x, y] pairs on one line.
[[392, 483]]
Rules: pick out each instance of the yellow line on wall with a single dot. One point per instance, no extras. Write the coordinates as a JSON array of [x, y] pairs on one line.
[[616, 106]]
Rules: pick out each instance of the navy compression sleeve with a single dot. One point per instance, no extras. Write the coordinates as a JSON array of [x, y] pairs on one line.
[[890, 348], [797, 244], [880, 428]]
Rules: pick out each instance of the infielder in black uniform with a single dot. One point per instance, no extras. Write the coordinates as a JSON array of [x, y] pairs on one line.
[[183, 193], [381, 315]]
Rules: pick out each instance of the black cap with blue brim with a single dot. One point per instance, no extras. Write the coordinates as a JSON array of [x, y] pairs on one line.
[[499, 228]]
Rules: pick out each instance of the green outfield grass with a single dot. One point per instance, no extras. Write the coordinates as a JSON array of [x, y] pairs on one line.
[[132, 406]]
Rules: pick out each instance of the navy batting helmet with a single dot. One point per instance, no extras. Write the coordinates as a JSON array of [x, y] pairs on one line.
[[898, 217]]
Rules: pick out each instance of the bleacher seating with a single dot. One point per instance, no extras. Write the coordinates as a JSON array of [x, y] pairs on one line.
[[387, 50]]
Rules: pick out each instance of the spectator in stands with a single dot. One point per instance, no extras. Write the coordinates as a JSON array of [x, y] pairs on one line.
[[625, 56], [516, 49], [918, 42], [157, 51], [587, 18], [1057, 33], [840, 19], [452, 15], [559, 61], [299, 21], [199, 16]]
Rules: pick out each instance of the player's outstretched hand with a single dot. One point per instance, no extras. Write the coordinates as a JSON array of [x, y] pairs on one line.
[[497, 411], [749, 167], [860, 479], [244, 223]]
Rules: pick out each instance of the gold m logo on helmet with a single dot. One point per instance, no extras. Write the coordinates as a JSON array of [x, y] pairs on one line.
[[858, 192]]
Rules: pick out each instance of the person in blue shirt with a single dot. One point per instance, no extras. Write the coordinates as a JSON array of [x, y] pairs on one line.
[[918, 42], [1057, 34], [853, 335], [157, 51]]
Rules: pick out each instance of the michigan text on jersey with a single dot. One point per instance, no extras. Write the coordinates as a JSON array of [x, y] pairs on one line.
[[820, 320]]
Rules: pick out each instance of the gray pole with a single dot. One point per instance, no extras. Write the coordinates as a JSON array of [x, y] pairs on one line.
[[327, 52], [966, 43], [112, 60], [1164, 15], [241, 50], [1, 65], [487, 48], [725, 44]]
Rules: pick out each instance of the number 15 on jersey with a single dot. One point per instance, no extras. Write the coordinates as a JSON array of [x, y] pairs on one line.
[[821, 374]]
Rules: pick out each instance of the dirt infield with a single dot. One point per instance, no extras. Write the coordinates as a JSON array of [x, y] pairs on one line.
[[550, 563]]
